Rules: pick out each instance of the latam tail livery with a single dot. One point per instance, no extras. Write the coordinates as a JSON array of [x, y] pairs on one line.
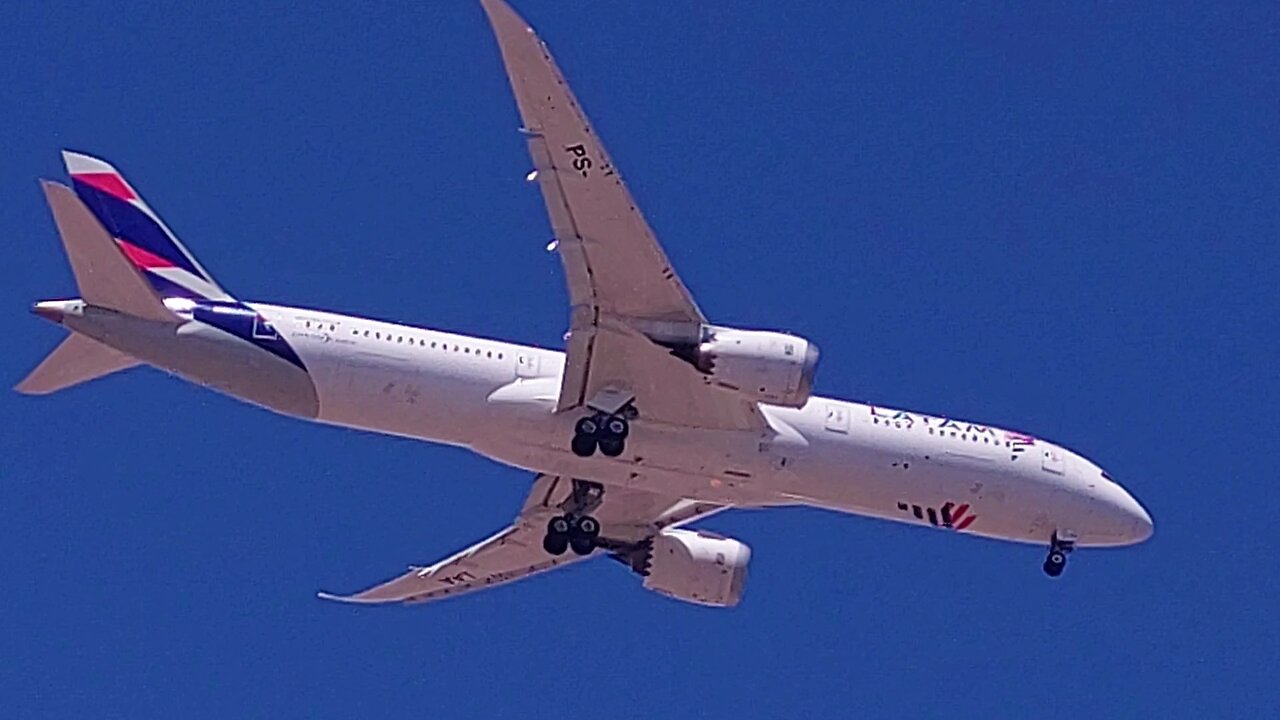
[[650, 419]]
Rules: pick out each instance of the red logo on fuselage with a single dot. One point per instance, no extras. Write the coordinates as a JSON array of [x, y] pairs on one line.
[[950, 515]]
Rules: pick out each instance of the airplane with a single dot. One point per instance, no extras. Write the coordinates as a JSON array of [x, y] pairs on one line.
[[651, 419]]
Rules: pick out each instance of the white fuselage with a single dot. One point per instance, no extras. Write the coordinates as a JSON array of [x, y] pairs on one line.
[[499, 400]]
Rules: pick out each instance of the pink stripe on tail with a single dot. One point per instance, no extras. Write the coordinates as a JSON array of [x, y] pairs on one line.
[[107, 182], [141, 258]]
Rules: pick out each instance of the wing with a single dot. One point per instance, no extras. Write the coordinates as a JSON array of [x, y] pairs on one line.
[[609, 253], [622, 288], [627, 517]]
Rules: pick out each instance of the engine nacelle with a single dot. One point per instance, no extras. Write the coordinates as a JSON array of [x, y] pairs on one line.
[[769, 367], [697, 567]]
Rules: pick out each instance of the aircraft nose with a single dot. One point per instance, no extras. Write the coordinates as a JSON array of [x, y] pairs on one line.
[[1133, 518]]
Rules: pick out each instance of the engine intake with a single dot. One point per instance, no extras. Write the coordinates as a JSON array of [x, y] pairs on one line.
[[696, 566]]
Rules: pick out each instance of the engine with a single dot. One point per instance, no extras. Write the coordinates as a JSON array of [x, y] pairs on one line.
[[768, 367], [697, 567]]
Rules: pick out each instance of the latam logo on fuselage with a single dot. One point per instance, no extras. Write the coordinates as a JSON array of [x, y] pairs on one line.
[[950, 515], [1016, 441]]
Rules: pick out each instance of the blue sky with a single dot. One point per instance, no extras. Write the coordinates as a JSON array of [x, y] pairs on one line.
[[1062, 220]]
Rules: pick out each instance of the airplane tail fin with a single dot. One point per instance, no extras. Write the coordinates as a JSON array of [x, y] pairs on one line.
[[105, 277], [141, 235], [78, 359]]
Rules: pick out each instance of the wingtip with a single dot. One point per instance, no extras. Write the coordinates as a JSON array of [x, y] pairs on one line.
[[500, 12], [347, 599]]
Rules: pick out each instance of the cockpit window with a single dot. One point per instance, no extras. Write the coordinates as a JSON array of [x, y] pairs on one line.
[[1105, 476]]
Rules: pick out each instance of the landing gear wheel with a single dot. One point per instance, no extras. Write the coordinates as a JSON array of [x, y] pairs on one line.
[[582, 545], [1055, 563], [617, 427], [583, 445], [1059, 549], [582, 535], [587, 426], [606, 432], [559, 525], [588, 526], [555, 544], [557, 539]]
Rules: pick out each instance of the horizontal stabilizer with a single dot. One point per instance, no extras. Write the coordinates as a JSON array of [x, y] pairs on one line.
[[106, 278], [78, 359]]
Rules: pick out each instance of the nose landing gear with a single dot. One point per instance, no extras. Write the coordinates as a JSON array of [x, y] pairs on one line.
[[604, 431], [1060, 546]]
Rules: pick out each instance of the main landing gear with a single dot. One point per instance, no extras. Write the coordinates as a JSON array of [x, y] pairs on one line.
[[604, 431], [576, 529], [1059, 548]]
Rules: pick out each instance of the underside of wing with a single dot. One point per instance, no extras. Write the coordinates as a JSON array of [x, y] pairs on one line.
[[613, 361], [627, 519], [613, 262], [626, 299]]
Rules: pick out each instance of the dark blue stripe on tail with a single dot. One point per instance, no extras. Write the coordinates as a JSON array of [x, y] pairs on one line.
[[127, 222]]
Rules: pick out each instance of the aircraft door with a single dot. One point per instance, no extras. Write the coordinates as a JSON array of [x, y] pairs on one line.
[[526, 365], [1053, 460], [837, 418]]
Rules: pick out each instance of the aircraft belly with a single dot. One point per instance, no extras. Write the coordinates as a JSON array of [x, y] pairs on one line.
[[396, 395], [207, 356]]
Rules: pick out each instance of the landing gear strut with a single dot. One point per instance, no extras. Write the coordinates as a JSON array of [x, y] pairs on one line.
[[604, 431], [1059, 548], [576, 528]]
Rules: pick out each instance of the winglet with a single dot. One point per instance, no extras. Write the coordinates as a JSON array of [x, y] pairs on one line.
[[349, 599]]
